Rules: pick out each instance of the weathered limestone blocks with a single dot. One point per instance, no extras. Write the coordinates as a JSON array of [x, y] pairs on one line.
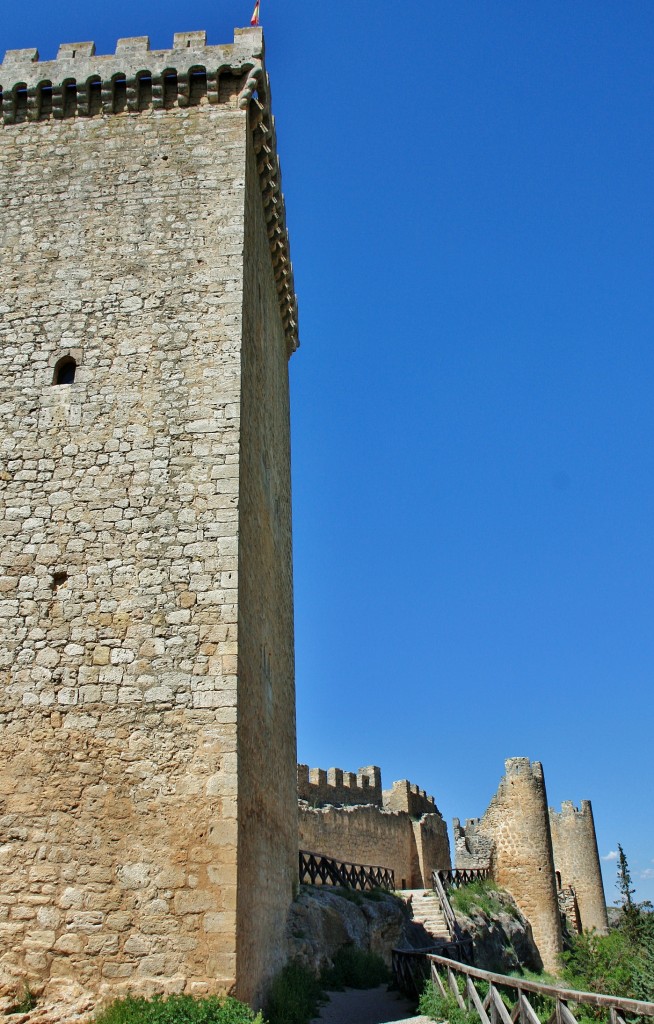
[[472, 848], [147, 722]]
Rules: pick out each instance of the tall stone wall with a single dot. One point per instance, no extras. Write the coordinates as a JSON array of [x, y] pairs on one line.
[[361, 835], [433, 845], [267, 865], [365, 834], [147, 746], [516, 825], [576, 859]]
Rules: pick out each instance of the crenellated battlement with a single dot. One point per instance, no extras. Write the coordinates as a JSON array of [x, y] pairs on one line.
[[568, 810], [405, 796], [523, 767], [334, 786], [136, 80], [77, 66]]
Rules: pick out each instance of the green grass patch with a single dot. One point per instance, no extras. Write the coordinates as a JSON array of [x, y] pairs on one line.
[[25, 1003], [440, 1008], [481, 895], [296, 993], [178, 1009], [376, 895], [355, 968], [295, 996], [351, 895]]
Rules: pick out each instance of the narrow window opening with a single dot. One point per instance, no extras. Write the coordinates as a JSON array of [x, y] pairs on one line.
[[95, 96], [198, 85], [65, 371], [145, 91], [45, 105], [170, 88], [70, 99], [120, 93], [21, 102], [58, 580]]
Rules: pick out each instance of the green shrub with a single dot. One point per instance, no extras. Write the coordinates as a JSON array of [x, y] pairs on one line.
[[439, 1007], [618, 964], [351, 895], [376, 895], [295, 996], [26, 1002], [177, 1009], [481, 895], [354, 968]]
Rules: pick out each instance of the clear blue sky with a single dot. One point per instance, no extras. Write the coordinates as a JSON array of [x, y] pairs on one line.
[[470, 193]]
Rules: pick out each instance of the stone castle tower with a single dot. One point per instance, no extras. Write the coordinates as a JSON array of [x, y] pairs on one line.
[[577, 862], [147, 725], [548, 861], [513, 839]]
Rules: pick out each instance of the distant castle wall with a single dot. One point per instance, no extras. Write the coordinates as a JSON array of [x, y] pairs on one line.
[[342, 789], [516, 831], [341, 816], [576, 859], [433, 846], [369, 835], [472, 848], [404, 796]]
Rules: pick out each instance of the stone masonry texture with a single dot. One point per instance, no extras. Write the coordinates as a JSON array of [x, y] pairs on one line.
[[147, 726], [576, 859]]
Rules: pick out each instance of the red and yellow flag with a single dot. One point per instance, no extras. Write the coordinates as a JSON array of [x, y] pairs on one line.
[[254, 20]]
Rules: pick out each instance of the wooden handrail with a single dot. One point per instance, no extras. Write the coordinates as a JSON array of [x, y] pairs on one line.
[[316, 869], [453, 878], [561, 995], [446, 906]]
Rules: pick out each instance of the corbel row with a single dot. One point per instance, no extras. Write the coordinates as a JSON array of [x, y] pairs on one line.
[[265, 148], [120, 92]]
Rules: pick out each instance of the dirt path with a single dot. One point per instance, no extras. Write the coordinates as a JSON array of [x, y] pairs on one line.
[[368, 1006]]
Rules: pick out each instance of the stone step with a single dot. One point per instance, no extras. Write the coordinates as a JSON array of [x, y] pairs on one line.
[[427, 912]]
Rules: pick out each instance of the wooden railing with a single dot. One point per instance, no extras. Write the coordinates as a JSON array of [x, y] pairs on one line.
[[492, 1008], [411, 967], [318, 870], [454, 878], [446, 906]]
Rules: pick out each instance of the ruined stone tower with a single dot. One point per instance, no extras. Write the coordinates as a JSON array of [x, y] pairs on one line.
[[513, 839], [147, 725], [577, 862]]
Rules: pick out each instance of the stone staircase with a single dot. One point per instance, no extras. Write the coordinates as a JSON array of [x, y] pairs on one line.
[[428, 921]]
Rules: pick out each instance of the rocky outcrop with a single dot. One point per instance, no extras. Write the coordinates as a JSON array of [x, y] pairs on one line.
[[322, 920], [503, 941]]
